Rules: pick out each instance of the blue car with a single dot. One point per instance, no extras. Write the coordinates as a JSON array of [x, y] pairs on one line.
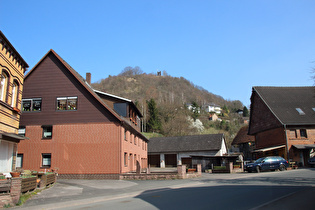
[[267, 164]]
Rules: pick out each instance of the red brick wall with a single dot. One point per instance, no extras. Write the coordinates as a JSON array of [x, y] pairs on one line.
[[81, 149], [298, 140], [78, 148], [133, 145], [270, 138]]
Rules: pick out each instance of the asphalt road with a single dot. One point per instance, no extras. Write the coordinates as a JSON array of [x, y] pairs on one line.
[[294, 189]]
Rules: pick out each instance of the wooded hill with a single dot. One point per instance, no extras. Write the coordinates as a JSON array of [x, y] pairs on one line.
[[135, 85], [171, 94]]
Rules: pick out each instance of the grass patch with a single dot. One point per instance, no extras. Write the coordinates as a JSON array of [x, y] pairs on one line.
[[219, 167], [151, 135], [24, 197]]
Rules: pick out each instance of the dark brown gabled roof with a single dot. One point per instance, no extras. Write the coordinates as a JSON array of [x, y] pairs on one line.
[[283, 102], [242, 137], [210, 142], [88, 88]]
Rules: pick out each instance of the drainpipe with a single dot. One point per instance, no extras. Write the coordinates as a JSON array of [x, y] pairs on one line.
[[287, 145], [120, 149]]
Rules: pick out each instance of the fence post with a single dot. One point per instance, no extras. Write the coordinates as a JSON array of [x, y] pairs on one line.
[[181, 170], [199, 168], [230, 167], [15, 191], [43, 181]]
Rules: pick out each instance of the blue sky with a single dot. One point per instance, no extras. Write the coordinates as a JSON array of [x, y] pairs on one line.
[[226, 47]]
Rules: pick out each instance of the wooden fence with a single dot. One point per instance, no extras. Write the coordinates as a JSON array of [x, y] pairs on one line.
[[5, 186], [29, 184]]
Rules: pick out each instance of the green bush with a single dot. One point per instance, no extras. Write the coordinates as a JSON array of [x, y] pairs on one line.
[[27, 176], [219, 167]]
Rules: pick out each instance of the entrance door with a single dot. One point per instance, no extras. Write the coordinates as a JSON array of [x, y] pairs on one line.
[[154, 160], [6, 150], [170, 160]]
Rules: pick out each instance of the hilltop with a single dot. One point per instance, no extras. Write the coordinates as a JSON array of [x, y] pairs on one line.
[[138, 86], [171, 94]]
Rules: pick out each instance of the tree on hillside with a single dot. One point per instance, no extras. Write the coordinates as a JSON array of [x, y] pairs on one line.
[[129, 71], [245, 112], [195, 110], [175, 121], [154, 123]]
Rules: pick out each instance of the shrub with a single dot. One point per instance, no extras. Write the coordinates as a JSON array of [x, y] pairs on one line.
[[219, 167]]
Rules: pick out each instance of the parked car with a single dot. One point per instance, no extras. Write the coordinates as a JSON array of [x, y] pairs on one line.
[[311, 161], [268, 163]]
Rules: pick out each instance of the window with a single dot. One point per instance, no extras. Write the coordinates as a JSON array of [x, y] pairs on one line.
[[125, 158], [14, 94], [19, 161], [3, 85], [125, 135], [46, 160], [130, 159], [21, 130], [303, 133], [47, 131], [67, 103], [32, 105], [121, 109]]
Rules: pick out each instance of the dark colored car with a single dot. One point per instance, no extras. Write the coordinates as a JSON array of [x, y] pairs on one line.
[[311, 161], [268, 163]]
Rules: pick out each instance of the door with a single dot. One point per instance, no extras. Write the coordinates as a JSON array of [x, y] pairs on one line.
[[6, 151], [170, 160], [266, 164]]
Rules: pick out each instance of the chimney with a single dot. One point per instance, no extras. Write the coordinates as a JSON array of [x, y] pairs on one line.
[[88, 78]]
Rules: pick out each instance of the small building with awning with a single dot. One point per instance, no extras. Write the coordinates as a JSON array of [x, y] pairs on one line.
[[187, 150], [282, 119]]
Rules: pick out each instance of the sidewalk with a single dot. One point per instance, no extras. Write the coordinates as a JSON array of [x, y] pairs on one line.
[[68, 192]]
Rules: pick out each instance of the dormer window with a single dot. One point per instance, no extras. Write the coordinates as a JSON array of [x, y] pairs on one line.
[[300, 111], [121, 109]]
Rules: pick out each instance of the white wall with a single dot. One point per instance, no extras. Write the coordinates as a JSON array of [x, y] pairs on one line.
[[6, 158]]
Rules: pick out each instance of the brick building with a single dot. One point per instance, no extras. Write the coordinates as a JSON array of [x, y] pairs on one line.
[[282, 119], [75, 129], [12, 69]]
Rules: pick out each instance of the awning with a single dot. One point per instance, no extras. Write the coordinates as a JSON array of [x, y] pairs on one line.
[[304, 146], [12, 137], [269, 148]]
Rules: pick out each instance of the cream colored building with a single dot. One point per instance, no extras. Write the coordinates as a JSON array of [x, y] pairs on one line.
[[12, 69]]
